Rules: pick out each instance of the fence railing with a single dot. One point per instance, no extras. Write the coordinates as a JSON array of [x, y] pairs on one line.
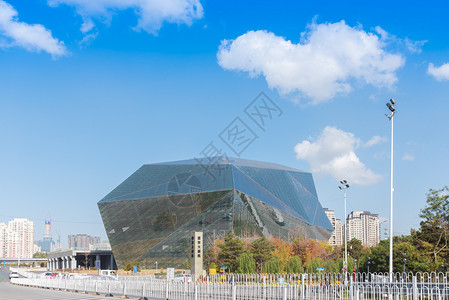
[[327, 286]]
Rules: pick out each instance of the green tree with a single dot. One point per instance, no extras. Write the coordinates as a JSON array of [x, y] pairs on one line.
[[247, 264], [186, 264], [355, 249], [261, 249], [332, 266], [231, 249], [434, 227], [40, 255], [129, 266], [312, 265], [415, 260], [272, 266], [294, 265], [379, 258]]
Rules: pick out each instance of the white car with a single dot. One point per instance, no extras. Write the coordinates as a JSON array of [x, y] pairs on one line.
[[13, 275]]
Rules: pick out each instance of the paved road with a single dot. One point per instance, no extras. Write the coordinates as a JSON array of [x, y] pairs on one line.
[[13, 292], [4, 274]]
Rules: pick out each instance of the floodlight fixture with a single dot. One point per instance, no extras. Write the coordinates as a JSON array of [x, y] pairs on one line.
[[390, 107]]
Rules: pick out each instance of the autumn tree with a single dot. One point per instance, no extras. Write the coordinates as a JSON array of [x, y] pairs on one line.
[[282, 251], [310, 249], [211, 255]]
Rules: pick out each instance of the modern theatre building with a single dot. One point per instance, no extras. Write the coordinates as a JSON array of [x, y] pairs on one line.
[[149, 217]]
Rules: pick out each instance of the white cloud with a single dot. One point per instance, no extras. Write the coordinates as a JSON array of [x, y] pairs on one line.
[[32, 37], [322, 65], [414, 46], [333, 152], [410, 45], [439, 73], [375, 140], [408, 157], [151, 13]]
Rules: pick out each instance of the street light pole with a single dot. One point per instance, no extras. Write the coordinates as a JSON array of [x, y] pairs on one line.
[[404, 259], [368, 262], [344, 186], [390, 106]]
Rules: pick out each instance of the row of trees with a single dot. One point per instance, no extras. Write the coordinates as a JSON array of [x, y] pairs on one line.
[[274, 255], [426, 249]]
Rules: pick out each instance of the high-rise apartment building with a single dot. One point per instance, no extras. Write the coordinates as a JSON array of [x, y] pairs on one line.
[[17, 238], [82, 241], [8, 242], [363, 226], [336, 238]]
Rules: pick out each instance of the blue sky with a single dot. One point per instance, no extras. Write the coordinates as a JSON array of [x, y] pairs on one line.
[[90, 92]]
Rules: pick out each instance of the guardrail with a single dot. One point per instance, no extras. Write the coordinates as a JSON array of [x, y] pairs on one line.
[[260, 286]]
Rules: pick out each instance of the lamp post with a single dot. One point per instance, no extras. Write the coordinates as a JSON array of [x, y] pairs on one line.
[[368, 262], [390, 106], [404, 260], [344, 186]]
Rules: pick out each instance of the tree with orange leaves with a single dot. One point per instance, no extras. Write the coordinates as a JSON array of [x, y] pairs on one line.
[[282, 250]]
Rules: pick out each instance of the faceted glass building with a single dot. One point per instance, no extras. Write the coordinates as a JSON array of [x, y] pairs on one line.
[[149, 217]]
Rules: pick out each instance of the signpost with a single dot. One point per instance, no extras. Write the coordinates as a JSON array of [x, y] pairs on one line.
[[319, 268], [170, 273]]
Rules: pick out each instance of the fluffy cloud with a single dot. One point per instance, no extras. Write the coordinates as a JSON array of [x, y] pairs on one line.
[[333, 152], [408, 157], [322, 65], [151, 13], [33, 37], [375, 140], [439, 73]]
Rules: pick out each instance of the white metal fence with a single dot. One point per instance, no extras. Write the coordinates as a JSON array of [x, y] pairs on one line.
[[324, 286]]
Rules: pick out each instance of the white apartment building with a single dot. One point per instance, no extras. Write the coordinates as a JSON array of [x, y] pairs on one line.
[[363, 226], [17, 239], [9, 242], [336, 238]]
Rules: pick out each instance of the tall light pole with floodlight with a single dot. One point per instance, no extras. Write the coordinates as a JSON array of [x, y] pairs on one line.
[[390, 106], [344, 186]]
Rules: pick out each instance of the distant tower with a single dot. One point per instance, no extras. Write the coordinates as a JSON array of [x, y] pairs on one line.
[[47, 244], [47, 231]]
